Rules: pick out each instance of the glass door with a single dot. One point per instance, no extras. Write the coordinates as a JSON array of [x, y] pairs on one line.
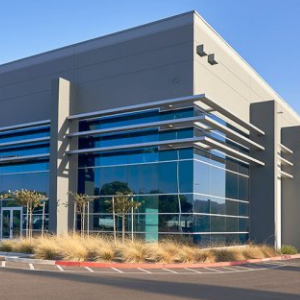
[[11, 222]]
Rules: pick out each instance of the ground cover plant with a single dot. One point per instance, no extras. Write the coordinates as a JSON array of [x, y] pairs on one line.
[[104, 249]]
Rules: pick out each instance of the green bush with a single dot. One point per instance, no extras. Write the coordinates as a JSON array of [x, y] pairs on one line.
[[288, 249]]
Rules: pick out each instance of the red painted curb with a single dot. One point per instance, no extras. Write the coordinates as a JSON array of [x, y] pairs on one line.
[[170, 266]]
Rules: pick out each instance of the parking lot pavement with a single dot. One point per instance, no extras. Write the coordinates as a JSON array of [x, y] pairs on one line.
[[262, 281], [140, 271]]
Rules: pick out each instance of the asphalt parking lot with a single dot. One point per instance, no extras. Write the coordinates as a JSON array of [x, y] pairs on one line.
[[269, 280]]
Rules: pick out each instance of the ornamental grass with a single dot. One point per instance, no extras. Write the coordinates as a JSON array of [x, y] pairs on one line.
[[104, 249]]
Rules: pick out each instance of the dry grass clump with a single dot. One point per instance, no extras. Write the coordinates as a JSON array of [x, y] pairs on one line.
[[104, 249], [258, 251], [24, 246], [7, 246], [47, 248], [72, 248], [222, 255], [100, 249], [132, 252]]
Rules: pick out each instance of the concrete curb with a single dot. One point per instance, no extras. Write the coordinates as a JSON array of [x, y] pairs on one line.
[[171, 266], [30, 261], [16, 254], [144, 265]]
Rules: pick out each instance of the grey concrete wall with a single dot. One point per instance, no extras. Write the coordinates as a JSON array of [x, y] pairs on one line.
[[231, 82], [263, 180], [290, 137], [63, 168], [149, 67]]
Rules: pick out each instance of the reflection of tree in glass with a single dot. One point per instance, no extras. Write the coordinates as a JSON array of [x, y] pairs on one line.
[[169, 204], [120, 203]]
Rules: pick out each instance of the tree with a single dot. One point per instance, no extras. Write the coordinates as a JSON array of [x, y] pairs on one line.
[[80, 205], [121, 203], [31, 200]]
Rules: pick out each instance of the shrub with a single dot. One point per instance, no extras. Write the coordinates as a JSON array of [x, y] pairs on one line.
[[103, 249], [7, 246], [288, 249]]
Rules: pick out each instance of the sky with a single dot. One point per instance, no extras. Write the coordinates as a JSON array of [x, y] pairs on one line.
[[266, 33]]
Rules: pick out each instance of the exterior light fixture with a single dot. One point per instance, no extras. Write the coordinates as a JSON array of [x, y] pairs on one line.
[[211, 59], [200, 50]]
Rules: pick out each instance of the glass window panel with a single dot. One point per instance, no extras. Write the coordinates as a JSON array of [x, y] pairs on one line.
[[101, 222], [143, 179], [167, 177], [232, 185], [244, 238], [232, 208], [243, 209], [217, 224], [110, 175], [232, 224], [168, 223], [216, 239], [202, 223], [217, 206], [201, 239], [11, 182], [218, 182], [169, 204], [243, 225], [36, 181], [243, 188], [202, 204], [185, 169], [232, 239], [187, 203], [202, 174]]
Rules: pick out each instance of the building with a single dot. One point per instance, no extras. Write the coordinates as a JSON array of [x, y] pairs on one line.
[[167, 110]]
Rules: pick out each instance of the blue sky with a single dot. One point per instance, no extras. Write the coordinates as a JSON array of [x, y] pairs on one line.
[[265, 32]]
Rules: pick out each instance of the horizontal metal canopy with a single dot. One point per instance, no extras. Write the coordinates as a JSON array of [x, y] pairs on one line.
[[22, 158], [213, 104], [170, 104], [24, 125], [285, 174], [28, 141], [226, 149], [163, 104], [285, 161], [229, 132], [285, 149], [201, 142], [176, 123]]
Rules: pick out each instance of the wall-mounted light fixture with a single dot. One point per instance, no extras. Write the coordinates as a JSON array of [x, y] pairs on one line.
[[211, 59], [200, 50]]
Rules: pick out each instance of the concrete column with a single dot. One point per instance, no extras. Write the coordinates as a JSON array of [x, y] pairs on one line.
[[63, 168], [265, 203], [290, 137]]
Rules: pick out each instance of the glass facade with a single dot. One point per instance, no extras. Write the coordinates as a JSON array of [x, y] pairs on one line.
[[192, 193], [25, 165]]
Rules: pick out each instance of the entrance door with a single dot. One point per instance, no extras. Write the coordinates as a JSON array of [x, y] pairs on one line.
[[11, 222]]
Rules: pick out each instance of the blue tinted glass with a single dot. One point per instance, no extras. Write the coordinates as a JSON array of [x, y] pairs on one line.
[[185, 176], [202, 175], [176, 114], [143, 179], [202, 204], [120, 120], [202, 223], [217, 224], [232, 224], [24, 134], [218, 206], [39, 165]]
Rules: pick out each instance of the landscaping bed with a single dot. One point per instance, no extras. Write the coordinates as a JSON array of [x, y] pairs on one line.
[[101, 249]]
